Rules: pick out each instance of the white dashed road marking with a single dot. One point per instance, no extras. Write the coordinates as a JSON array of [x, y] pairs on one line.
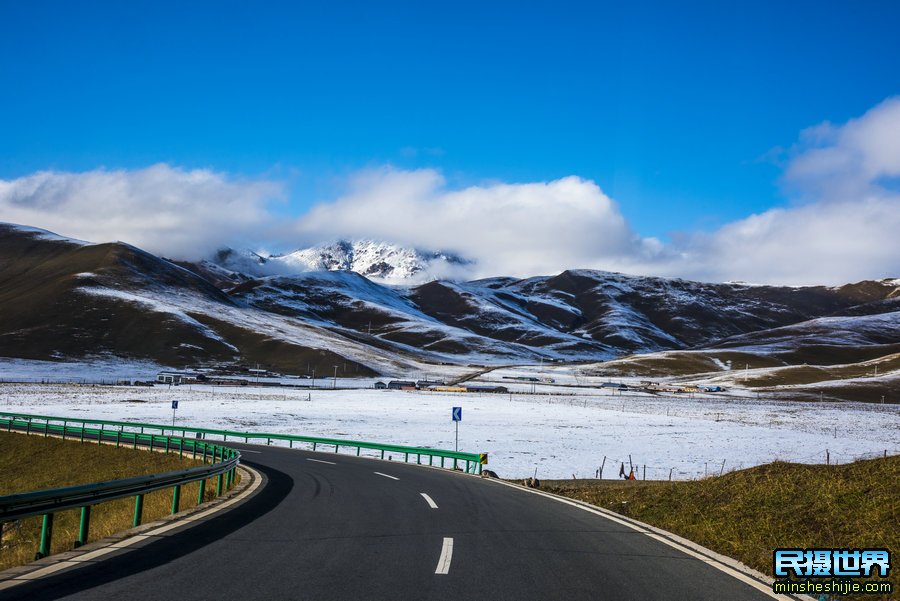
[[443, 566]]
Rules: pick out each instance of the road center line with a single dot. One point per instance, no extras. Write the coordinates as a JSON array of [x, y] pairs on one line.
[[386, 476], [321, 461], [443, 566], [429, 500]]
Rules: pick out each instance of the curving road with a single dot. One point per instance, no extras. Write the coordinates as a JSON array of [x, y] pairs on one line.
[[339, 527]]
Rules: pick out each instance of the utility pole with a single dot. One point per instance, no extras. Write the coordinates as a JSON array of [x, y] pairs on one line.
[[313, 378], [334, 381]]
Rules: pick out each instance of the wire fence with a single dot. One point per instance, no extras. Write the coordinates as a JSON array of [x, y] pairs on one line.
[[611, 468]]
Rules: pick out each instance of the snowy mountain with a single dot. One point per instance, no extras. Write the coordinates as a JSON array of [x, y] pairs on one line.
[[61, 298], [377, 260]]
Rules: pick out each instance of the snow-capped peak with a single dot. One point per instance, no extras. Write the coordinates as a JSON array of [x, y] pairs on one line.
[[373, 259]]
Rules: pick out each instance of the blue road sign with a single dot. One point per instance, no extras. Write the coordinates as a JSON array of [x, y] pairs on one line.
[[174, 404], [457, 414]]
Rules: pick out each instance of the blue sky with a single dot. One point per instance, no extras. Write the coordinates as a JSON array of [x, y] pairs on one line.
[[684, 113]]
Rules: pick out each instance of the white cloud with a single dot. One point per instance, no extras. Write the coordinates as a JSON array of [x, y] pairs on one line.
[[163, 209], [842, 229], [508, 229], [850, 161]]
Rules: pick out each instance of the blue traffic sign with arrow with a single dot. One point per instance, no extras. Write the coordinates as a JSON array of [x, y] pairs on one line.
[[457, 414]]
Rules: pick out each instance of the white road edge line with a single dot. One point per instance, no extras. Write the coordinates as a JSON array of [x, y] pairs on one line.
[[443, 566], [684, 549], [249, 451], [429, 500], [321, 461], [387, 476]]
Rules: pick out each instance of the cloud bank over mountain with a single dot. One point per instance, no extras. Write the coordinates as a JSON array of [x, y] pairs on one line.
[[841, 226]]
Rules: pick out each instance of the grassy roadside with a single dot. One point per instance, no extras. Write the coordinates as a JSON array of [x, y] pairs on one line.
[[35, 463], [749, 513]]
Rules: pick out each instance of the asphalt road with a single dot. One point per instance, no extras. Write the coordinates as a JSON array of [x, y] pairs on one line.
[[328, 526]]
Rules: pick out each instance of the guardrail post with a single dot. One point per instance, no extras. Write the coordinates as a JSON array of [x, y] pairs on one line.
[[84, 526], [193, 449], [181, 447], [167, 445], [268, 442], [201, 492], [442, 461], [64, 429], [151, 443], [467, 466], [405, 457], [336, 448], [219, 485], [138, 510], [431, 460], [118, 437], [291, 443], [418, 459], [454, 463], [100, 435], [176, 498], [46, 536], [46, 429], [82, 433], [314, 446], [28, 427], [357, 451], [382, 453]]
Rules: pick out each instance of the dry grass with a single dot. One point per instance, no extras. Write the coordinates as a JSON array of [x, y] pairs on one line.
[[680, 363], [35, 463], [749, 513]]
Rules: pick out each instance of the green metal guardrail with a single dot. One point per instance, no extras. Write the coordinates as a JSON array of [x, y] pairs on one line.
[[473, 461], [223, 462]]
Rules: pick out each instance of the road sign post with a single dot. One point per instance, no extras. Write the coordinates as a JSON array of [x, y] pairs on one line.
[[456, 414], [174, 407]]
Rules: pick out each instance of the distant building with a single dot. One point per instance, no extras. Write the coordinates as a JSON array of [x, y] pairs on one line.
[[492, 389], [429, 383], [380, 385], [401, 384], [173, 377], [448, 388]]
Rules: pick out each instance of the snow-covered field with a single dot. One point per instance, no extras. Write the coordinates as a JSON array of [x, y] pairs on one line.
[[558, 435]]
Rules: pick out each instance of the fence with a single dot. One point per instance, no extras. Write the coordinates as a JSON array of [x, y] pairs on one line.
[[614, 468], [473, 461], [218, 461]]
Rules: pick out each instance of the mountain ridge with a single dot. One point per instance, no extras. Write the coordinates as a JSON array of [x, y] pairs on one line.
[[61, 298]]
